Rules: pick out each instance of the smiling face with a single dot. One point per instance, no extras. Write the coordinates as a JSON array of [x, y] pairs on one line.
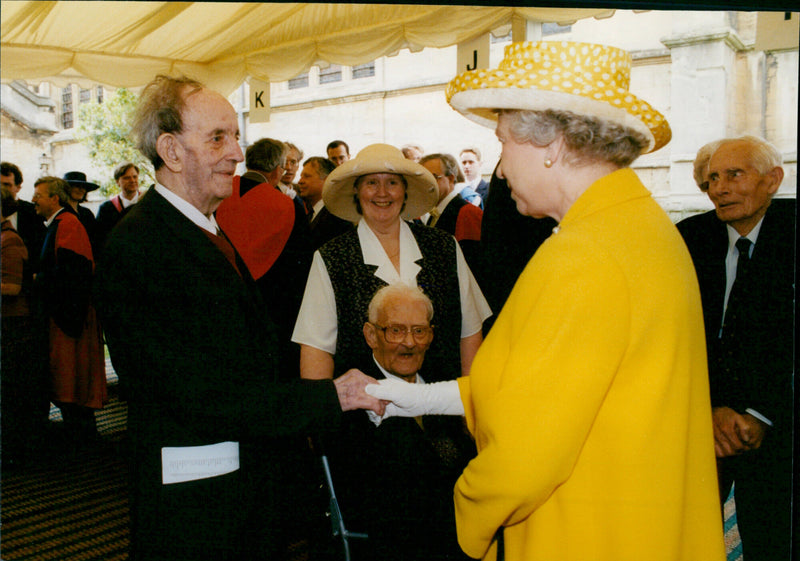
[[310, 185], [208, 150], [405, 358], [45, 204], [739, 192], [381, 196]]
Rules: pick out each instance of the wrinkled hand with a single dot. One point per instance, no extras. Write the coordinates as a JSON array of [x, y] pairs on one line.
[[413, 400], [735, 434], [350, 388]]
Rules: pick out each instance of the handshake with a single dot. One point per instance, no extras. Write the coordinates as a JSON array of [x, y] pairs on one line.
[[413, 400], [395, 398]]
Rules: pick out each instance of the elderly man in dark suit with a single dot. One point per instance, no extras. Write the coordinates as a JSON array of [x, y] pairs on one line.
[[189, 336], [744, 254], [395, 480]]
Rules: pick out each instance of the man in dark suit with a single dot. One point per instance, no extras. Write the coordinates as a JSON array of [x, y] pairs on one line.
[[744, 252], [28, 224], [323, 225], [110, 212], [471, 164], [452, 213], [395, 481], [188, 334]]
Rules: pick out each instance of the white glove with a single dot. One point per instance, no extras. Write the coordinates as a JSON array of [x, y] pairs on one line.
[[413, 400]]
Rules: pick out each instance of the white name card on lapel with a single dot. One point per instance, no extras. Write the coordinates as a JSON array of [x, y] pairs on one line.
[[189, 463]]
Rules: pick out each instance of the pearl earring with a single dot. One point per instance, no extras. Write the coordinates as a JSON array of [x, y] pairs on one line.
[[548, 163]]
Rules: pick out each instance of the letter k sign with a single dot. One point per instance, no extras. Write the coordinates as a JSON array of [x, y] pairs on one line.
[[259, 101]]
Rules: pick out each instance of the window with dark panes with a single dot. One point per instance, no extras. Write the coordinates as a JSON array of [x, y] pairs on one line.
[[66, 108], [331, 74], [299, 82], [364, 70]]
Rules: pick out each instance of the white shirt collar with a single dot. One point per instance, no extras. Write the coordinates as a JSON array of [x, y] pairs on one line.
[[374, 254], [446, 201], [126, 203], [318, 206], [188, 210], [733, 235], [441, 206], [50, 220], [287, 190]]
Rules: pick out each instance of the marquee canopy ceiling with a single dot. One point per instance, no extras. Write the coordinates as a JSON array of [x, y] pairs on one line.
[[223, 43]]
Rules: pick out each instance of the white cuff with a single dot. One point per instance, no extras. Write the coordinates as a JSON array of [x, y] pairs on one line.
[[758, 416], [413, 400]]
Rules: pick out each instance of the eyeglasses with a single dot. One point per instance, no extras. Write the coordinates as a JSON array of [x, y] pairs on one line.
[[396, 333]]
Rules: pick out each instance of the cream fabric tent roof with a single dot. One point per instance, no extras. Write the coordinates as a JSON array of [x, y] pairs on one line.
[[223, 43]]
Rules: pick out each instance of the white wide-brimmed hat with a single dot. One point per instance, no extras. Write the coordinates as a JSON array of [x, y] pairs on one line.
[[338, 192], [583, 78]]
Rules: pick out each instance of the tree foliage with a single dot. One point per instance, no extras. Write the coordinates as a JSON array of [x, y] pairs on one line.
[[105, 129]]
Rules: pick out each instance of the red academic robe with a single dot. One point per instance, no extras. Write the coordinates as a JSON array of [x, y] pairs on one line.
[[77, 359]]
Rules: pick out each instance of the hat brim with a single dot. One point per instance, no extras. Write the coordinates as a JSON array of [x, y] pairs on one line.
[[338, 192], [84, 184], [479, 105]]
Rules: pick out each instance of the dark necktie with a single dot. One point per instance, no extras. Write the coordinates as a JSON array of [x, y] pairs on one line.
[[736, 299], [224, 245]]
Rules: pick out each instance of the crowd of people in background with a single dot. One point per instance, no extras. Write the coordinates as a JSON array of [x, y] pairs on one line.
[[255, 308]]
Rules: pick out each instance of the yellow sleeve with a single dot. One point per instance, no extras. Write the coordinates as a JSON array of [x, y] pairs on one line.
[[537, 384]]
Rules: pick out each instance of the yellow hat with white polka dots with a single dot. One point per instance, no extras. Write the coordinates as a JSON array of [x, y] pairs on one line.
[[583, 78]]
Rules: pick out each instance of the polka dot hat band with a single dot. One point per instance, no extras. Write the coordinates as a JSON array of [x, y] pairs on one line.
[[583, 78]]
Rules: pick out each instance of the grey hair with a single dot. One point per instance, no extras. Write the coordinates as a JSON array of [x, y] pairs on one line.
[[449, 164], [764, 157], [323, 165], [395, 291], [55, 186], [701, 163], [160, 111], [266, 154], [588, 139]]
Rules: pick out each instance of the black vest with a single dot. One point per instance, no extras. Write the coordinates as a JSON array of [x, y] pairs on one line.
[[354, 284]]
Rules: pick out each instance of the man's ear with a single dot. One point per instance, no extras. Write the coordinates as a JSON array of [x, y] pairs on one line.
[[775, 176], [371, 335], [170, 151]]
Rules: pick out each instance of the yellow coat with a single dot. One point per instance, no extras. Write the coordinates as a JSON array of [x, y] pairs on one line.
[[589, 399]]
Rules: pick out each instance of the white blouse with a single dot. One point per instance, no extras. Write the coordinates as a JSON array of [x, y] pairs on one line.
[[316, 324]]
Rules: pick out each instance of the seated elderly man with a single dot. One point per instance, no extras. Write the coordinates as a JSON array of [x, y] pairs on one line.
[[396, 480]]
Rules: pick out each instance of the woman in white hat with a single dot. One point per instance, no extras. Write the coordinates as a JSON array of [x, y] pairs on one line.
[[380, 189], [589, 399]]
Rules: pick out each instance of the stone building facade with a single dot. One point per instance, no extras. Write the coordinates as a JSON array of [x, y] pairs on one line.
[[702, 69]]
